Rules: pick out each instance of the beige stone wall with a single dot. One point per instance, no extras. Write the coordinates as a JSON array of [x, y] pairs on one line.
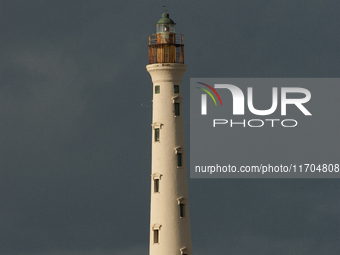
[[174, 231]]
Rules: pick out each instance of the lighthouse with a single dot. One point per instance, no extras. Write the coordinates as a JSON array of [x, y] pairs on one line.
[[169, 211]]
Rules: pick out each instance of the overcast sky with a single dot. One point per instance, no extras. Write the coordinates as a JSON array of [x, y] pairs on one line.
[[75, 143]]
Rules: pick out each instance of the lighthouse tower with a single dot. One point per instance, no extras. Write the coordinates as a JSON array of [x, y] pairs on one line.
[[169, 217]]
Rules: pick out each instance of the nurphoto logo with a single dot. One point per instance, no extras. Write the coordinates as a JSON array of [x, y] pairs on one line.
[[238, 104], [264, 128]]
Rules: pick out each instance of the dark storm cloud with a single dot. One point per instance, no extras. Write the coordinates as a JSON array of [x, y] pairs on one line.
[[265, 38], [268, 216], [75, 144]]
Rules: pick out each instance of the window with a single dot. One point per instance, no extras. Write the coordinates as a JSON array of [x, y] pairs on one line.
[[156, 134], [177, 110], [156, 228], [177, 102], [156, 127], [181, 210], [184, 251], [176, 89], [156, 181], [178, 151], [181, 205], [157, 89], [179, 159], [156, 185], [155, 236]]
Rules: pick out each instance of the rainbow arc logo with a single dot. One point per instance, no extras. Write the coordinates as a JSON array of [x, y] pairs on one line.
[[204, 97]]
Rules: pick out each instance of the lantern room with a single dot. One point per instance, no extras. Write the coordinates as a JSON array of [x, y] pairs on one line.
[[165, 24], [166, 46]]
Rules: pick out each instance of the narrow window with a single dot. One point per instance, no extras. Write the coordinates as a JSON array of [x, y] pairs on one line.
[[179, 159], [157, 89], [155, 236], [181, 210], [156, 134], [177, 110], [156, 227], [176, 89], [156, 185], [179, 151], [184, 251]]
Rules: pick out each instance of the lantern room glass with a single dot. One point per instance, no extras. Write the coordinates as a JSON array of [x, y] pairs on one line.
[[165, 28]]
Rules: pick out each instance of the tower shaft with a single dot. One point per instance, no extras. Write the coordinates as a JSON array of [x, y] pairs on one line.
[[169, 216]]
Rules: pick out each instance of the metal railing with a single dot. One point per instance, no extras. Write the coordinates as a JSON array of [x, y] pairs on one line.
[[166, 38]]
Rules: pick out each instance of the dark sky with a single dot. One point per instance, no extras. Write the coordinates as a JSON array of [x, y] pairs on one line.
[[75, 143]]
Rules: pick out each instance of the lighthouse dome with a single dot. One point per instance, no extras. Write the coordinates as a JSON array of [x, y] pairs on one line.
[[165, 19]]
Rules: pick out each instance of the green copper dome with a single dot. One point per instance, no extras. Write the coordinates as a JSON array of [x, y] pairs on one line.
[[165, 19]]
